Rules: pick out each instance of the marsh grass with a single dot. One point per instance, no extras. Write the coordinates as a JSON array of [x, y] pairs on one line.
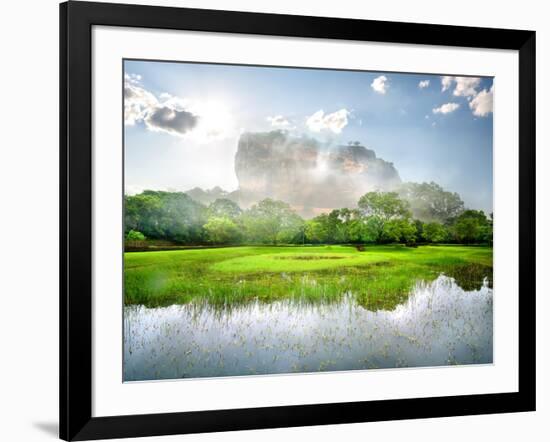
[[379, 277]]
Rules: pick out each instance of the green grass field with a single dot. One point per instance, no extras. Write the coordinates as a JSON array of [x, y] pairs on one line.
[[380, 277]]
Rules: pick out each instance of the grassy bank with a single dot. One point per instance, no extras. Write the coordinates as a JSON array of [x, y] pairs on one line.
[[379, 276]]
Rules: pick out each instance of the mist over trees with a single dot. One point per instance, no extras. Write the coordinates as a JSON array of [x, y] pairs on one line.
[[415, 213], [430, 202], [271, 222], [166, 215]]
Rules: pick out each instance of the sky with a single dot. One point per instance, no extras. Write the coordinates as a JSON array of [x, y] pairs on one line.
[[183, 121]]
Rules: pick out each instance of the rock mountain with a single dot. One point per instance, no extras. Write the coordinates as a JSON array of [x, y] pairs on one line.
[[311, 176]]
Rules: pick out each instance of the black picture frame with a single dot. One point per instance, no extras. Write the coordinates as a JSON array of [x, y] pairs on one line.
[[76, 21]]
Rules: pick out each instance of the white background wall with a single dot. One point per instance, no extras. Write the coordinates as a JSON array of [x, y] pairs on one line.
[[29, 219]]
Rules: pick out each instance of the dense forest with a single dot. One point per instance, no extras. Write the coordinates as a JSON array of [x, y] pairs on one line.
[[415, 213]]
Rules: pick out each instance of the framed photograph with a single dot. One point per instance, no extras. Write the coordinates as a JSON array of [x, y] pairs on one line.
[[273, 220]]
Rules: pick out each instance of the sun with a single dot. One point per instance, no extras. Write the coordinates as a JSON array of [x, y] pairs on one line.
[[216, 120]]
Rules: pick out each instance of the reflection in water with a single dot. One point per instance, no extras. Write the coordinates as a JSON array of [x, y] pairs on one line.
[[439, 324], [471, 276]]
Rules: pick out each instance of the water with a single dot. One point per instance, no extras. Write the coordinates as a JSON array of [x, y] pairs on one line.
[[439, 324]]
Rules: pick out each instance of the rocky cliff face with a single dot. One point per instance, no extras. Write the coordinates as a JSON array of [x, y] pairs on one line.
[[311, 177]]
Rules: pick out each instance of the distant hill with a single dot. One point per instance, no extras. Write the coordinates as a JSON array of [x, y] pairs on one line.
[[207, 196]]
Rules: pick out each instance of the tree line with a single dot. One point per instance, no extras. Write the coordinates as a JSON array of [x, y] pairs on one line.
[[417, 213]]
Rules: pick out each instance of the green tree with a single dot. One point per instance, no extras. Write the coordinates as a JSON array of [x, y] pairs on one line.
[[434, 232], [135, 235], [353, 226], [141, 213], [419, 225], [471, 226], [430, 202], [348, 225], [165, 215], [337, 227], [399, 230], [359, 232], [272, 222], [221, 230], [133, 238], [328, 228], [316, 230], [380, 208], [373, 230], [223, 207]]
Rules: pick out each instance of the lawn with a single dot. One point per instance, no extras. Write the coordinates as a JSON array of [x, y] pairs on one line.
[[380, 277]]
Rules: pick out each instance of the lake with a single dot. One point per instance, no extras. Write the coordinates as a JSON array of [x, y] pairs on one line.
[[440, 323]]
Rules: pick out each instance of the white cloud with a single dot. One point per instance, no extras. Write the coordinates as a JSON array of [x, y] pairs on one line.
[[168, 116], [424, 84], [464, 86], [334, 122], [175, 102], [446, 83], [132, 78], [137, 102], [380, 84], [203, 121], [446, 108], [280, 122], [482, 103]]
